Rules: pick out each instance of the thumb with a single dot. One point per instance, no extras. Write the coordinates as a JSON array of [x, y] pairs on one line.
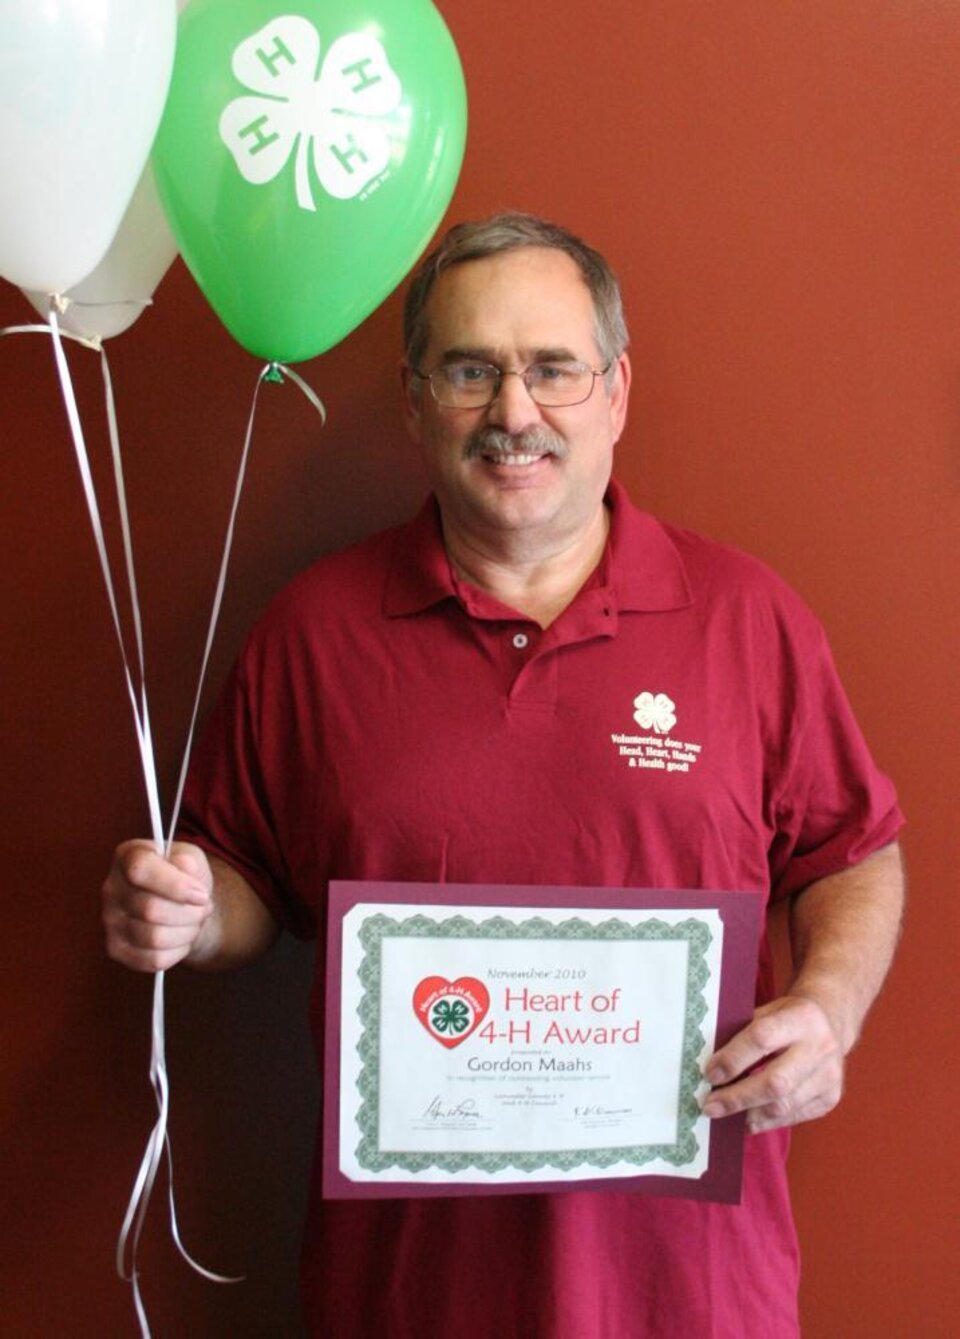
[[191, 861]]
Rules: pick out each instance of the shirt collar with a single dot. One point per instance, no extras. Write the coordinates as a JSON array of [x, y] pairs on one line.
[[641, 566], [419, 574]]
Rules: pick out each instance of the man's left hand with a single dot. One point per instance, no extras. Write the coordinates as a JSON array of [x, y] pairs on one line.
[[784, 1067]]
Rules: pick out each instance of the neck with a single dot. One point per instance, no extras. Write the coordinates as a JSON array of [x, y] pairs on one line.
[[535, 579]]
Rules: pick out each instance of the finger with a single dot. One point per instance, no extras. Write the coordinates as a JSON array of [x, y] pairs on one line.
[[145, 960], [156, 922], [152, 945], [138, 866], [192, 861], [775, 1027], [778, 1116], [773, 1084], [813, 1099], [764, 1036], [789, 1081], [154, 910], [155, 938]]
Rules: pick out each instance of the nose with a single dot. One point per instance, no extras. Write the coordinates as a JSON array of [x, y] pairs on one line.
[[514, 408]]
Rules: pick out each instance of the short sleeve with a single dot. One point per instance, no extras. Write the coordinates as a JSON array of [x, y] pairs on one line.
[[227, 809], [833, 806]]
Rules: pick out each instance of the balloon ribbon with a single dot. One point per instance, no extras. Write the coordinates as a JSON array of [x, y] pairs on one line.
[[159, 1139]]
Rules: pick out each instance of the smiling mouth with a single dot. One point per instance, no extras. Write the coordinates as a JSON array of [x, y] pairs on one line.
[[515, 450], [514, 458]]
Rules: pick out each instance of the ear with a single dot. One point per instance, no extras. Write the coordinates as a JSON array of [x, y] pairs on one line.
[[619, 395], [411, 389]]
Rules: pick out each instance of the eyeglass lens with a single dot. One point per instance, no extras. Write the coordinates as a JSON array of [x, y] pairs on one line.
[[474, 385]]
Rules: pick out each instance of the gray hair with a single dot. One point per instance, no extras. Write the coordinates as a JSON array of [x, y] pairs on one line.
[[510, 232]]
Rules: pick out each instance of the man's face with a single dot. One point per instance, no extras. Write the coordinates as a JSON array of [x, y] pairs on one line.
[[515, 470]]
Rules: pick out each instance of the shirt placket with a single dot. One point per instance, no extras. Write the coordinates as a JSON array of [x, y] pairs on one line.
[[533, 654], [531, 670]]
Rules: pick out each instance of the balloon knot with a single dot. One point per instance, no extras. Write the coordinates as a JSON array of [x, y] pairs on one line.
[[274, 373]]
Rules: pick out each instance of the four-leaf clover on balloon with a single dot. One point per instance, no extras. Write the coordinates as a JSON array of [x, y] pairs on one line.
[[450, 1016], [655, 713], [333, 114]]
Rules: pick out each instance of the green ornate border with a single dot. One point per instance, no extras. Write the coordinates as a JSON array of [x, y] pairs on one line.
[[375, 929]]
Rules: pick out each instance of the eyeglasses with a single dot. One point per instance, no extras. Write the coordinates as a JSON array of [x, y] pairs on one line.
[[470, 385]]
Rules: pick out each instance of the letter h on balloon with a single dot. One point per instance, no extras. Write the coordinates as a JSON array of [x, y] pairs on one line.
[[344, 155], [254, 131], [272, 58], [365, 80]]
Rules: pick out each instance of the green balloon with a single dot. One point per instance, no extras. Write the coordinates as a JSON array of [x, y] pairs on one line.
[[305, 159]]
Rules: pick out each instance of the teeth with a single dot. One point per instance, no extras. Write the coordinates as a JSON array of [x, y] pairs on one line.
[[515, 459]]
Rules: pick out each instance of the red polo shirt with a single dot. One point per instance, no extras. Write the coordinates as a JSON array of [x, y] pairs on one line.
[[679, 725]]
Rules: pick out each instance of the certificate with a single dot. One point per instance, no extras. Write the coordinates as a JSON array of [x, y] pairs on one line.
[[484, 1040]]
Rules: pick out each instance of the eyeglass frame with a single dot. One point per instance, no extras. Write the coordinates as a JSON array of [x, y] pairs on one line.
[[501, 373]]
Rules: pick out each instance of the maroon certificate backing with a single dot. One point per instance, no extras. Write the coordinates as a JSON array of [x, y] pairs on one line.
[[741, 915]]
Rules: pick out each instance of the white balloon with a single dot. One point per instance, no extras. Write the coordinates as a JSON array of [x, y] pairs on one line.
[[82, 88], [108, 301]]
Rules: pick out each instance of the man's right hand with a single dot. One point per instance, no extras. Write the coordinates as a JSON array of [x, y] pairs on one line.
[[155, 910]]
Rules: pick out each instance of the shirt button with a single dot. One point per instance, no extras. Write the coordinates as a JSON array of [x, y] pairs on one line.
[[521, 641]]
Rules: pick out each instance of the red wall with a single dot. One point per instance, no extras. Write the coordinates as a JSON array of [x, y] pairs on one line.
[[778, 185]]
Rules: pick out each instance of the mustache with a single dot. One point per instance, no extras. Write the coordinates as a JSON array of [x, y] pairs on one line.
[[535, 440]]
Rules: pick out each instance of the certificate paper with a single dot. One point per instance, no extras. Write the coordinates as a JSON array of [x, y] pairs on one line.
[[491, 1039]]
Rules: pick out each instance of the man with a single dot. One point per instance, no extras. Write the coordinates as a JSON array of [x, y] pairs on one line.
[[439, 704]]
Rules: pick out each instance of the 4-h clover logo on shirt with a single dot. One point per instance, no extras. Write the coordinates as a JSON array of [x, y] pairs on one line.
[[655, 713], [332, 114]]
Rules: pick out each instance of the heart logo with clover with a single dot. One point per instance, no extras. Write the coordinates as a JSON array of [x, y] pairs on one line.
[[451, 1010]]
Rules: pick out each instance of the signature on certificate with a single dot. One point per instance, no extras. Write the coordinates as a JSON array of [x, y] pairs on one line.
[[465, 1111], [600, 1113]]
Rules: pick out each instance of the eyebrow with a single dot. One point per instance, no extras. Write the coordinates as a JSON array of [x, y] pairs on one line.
[[477, 355]]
